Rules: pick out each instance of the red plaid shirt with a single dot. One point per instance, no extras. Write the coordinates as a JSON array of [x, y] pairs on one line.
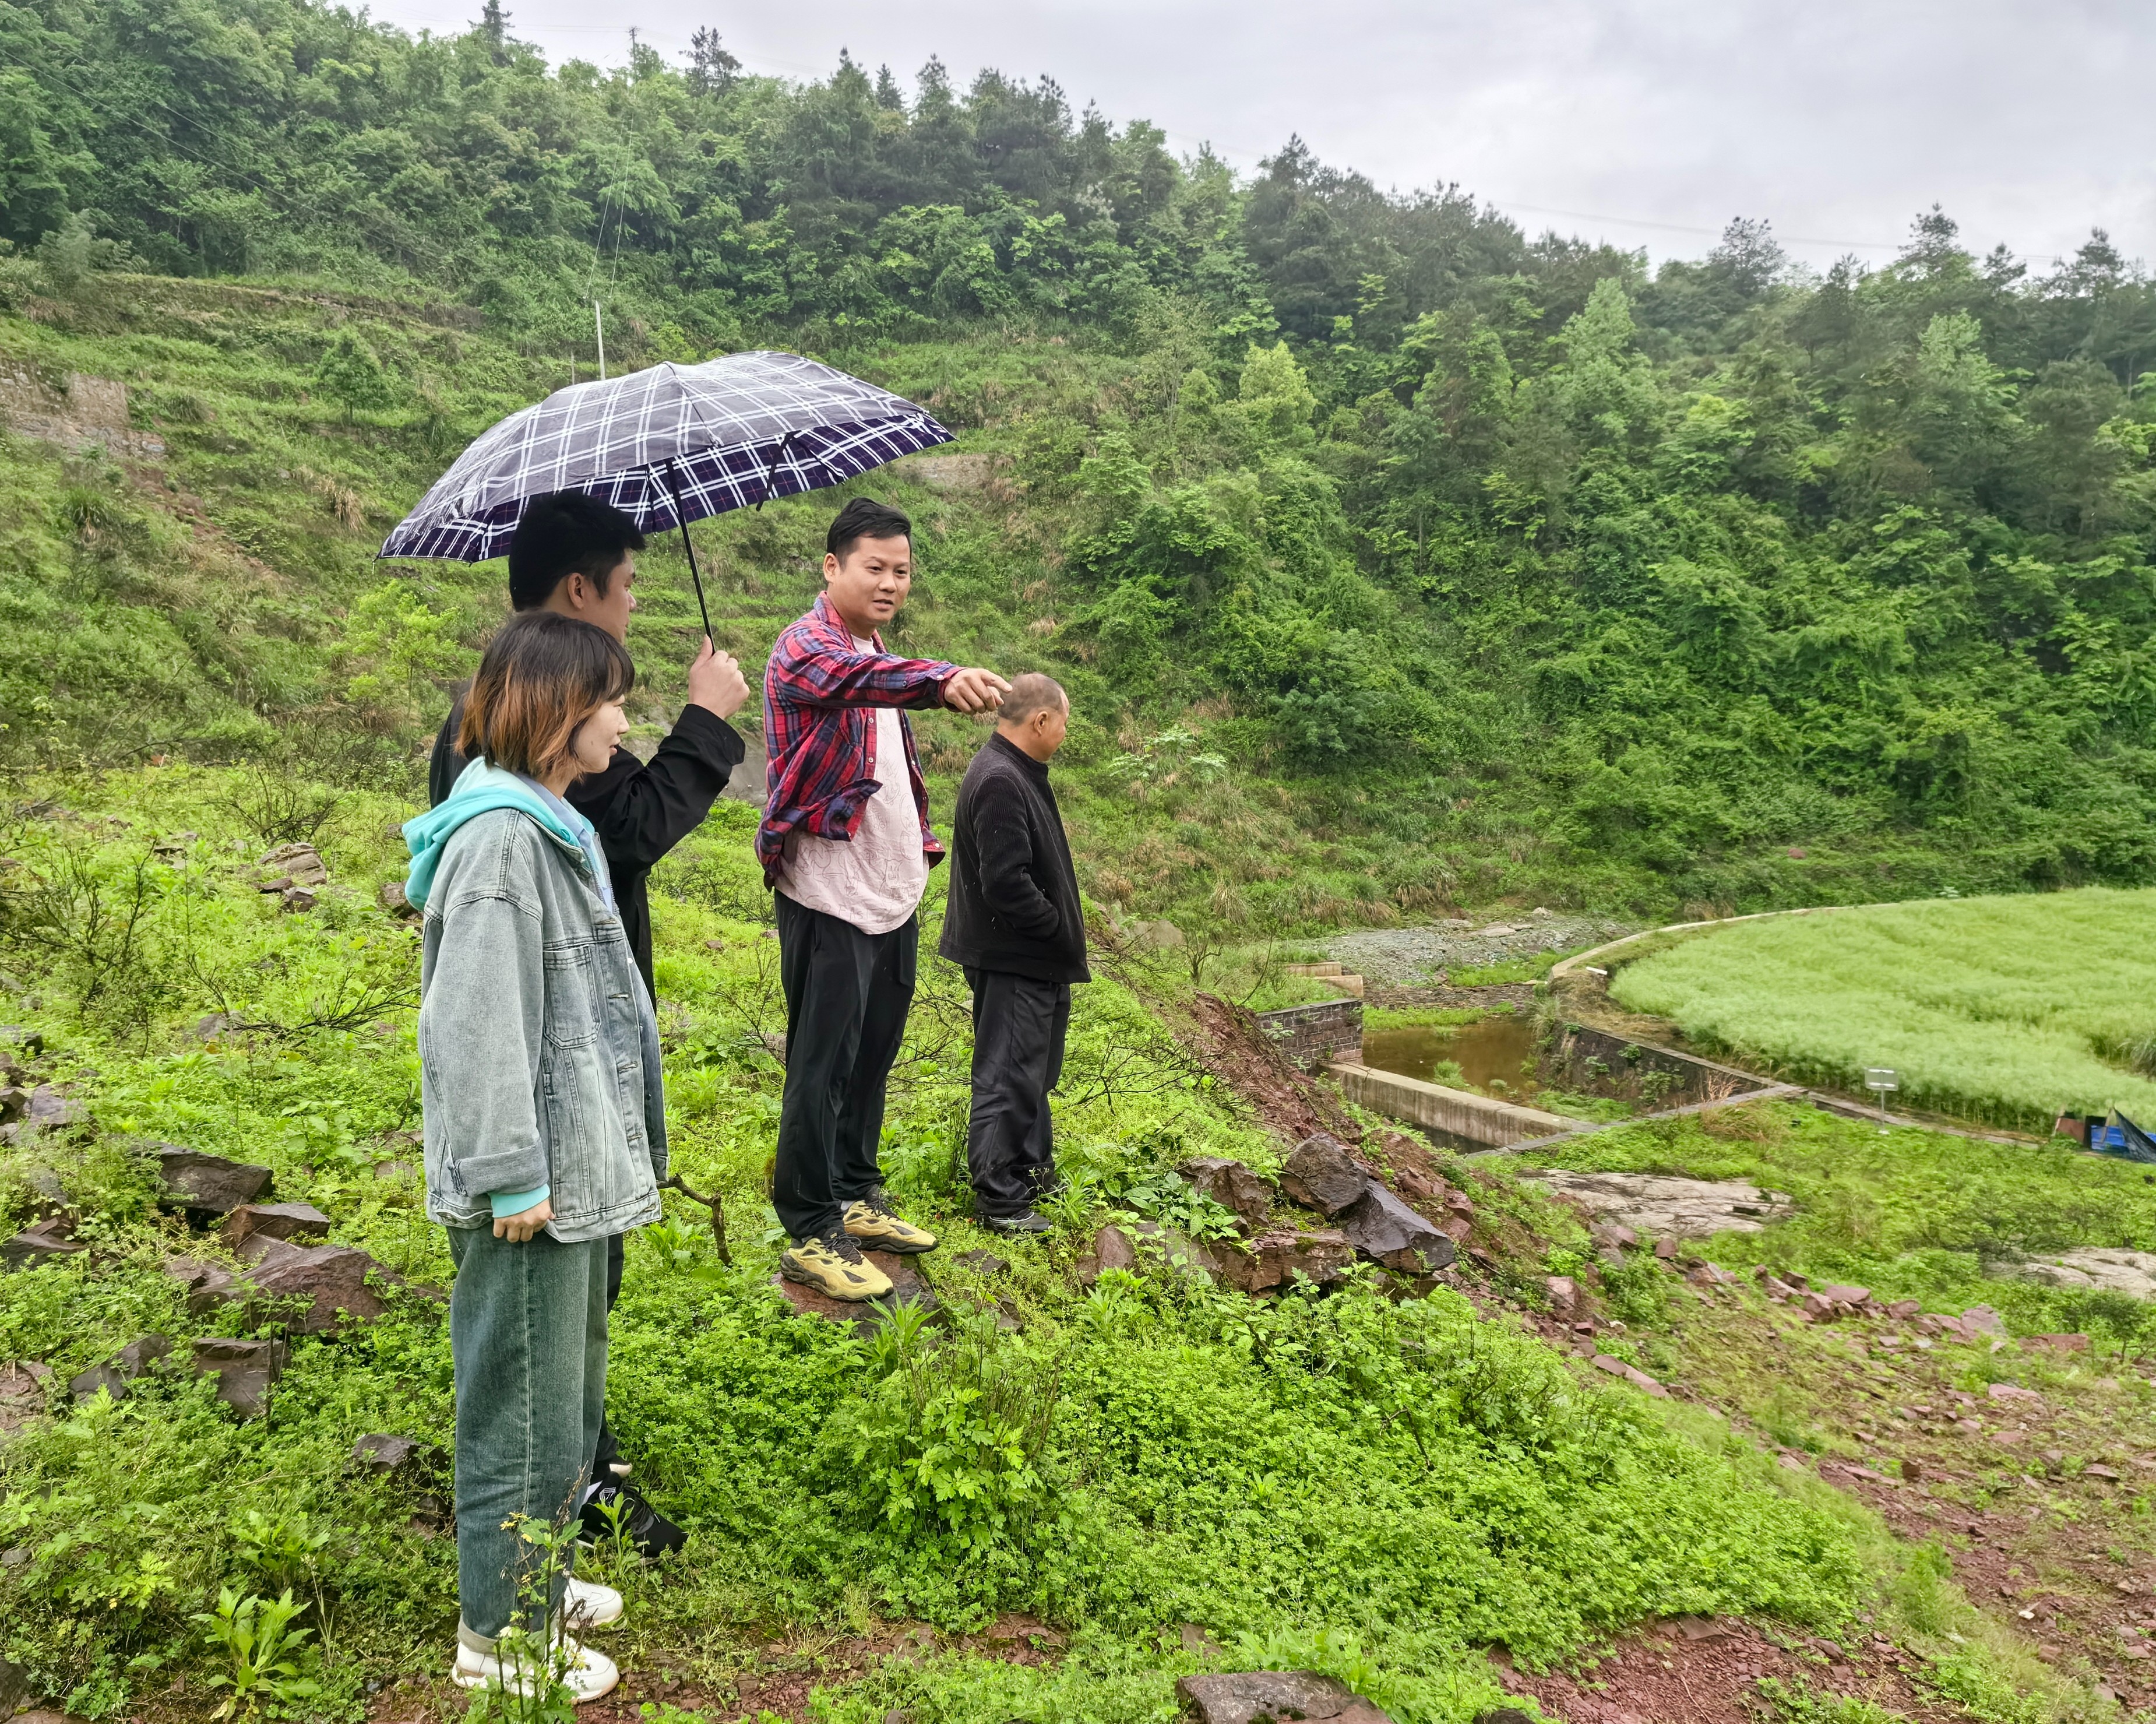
[[820, 772]]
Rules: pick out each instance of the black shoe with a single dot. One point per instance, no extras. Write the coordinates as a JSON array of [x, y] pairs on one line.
[[650, 1531], [1025, 1222]]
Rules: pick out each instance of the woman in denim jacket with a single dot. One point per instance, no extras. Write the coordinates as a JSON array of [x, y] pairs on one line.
[[546, 1126]]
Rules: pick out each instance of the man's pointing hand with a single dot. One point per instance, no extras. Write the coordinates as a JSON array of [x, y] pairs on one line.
[[974, 691]]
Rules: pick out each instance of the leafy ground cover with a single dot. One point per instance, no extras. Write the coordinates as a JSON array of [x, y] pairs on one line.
[[2005, 1008]]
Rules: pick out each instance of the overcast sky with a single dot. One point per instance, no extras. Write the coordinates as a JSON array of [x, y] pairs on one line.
[[1645, 122]]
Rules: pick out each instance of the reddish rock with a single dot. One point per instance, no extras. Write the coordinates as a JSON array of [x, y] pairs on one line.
[[1321, 1175], [1903, 1309], [1631, 1373], [2013, 1392], [1112, 1249], [24, 1388], [1982, 1320], [331, 1279], [1230, 1184], [907, 1283], [2056, 1343], [245, 1371], [1563, 1294], [1274, 1260], [1842, 1294], [277, 1220], [206, 1185], [1458, 1229], [48, 1241]]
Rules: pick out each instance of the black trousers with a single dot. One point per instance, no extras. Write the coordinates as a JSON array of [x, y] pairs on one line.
[[1019, 1026], [609, 1451], [847, 995]]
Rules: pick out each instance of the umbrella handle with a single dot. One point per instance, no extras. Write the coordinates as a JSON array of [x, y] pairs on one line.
[[696, 580]]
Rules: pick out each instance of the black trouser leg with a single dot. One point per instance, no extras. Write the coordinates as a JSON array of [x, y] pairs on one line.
[[847, 995], [1019, 1026], [609, 1451]]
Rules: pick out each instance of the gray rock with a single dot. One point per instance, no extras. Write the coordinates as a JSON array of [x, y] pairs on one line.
[[206, 1185], [1274, 1697], [1660, 1206], [382, 1453], [278, 1220], [1384, 1229], [245, 1371], [218, 1024], [390, 895], [1230, 1184], [208, 1287], [301, 863], [1157, 936], [1321, 1175], [121, 1368], [49, 1109], [43, 1241], [2133, 1273]]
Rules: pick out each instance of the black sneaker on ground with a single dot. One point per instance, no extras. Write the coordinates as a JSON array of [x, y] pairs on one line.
[[650, 1531], [1024, 1221]]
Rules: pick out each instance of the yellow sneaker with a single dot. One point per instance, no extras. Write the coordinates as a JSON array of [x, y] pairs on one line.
[[833, 1266], [873, 1221]]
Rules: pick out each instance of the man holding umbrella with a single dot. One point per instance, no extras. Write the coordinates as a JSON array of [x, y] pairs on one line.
[[845, 844]]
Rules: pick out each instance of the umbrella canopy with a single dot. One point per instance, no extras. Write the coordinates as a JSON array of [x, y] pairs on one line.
[[668, 445]]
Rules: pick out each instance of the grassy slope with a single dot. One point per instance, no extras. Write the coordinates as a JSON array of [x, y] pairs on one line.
[[2007, 1009]]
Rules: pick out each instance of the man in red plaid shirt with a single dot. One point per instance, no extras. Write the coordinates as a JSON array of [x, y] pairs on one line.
[[847, 851]]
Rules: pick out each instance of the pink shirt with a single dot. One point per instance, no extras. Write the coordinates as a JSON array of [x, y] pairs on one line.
[[874, 880]]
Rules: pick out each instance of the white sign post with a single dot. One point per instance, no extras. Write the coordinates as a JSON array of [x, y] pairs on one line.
[[1881, 1080]]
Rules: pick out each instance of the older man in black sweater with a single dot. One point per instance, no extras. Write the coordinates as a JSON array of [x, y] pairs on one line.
[[1014, 921]]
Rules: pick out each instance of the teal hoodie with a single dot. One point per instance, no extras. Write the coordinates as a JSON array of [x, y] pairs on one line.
[[480, 789]]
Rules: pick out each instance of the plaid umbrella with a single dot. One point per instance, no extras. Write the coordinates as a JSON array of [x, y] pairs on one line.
[[668, 445]]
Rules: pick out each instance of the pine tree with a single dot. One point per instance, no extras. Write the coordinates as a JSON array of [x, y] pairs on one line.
[[712, 69], [494, 25]]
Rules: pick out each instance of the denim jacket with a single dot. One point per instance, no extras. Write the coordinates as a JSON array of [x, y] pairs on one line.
[[538, 1054]]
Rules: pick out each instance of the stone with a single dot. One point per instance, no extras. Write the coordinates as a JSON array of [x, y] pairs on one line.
[[1157, 936], [216, 1026], [982, 1263], [1321, 1175], [1563, 1294], [206, 1185], [1274, 1697], [24, 1388], [1112, 1248], [2061, 1343], [2013, 1392], [1274, 1260], [1382, 1228], [1982, 1320], [1903, 1309], [907, 1283], [302, 863], [246, 1370], [51, 1108], [381, 1453], [2108, 1474], [331, 1280], [275, 1221], [208, 1286], [31, 1042], [1841, 1295], [1659, 1206], [390, 895], [1665, 1248], [297, 899], [1230, 1184], [47, 1241], [1912, 1470], [1632, 1374], [121, 1368], [2133, 1273]]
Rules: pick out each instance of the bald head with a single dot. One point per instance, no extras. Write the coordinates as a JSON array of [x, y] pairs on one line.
[[1034, 715]]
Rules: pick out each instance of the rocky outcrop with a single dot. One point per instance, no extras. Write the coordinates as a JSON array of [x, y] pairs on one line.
[[1658, 1207], [329, 1282], [1382, 1228], [2133, 1273], [1274, 1260], [274, 1221], [1321, 1175], [49, 1241], [1275, 1697]]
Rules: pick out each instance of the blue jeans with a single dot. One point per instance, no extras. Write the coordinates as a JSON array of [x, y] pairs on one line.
[[528, 1334]]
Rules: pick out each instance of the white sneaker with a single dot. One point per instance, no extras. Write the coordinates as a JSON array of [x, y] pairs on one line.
[[587, 1604], [590, 1675]]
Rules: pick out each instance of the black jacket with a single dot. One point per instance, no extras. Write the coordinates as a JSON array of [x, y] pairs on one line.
[[641, 809], [1013, 903]]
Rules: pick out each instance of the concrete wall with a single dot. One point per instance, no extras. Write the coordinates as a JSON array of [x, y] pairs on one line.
[[1599, 1062], [1317, 1035], [1477, 1121]]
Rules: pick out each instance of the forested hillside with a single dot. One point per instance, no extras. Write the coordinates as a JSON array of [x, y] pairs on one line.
[[1479, 562]]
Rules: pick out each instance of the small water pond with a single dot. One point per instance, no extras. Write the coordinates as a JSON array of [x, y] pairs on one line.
[[1495, 1055]]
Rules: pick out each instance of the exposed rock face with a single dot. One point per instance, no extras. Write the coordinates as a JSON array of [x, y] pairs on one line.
[[1383, 1228], [1321, 1175], [330, 1279], [1660, 1206], [1275, 1697], [2133, 1273], [48, 1241], [245, 1371], [274, 1221], [206, 1185], [1230, 1184], [1274, 1260]]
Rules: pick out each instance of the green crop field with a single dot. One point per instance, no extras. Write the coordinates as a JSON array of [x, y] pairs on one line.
[[2003, 1009]]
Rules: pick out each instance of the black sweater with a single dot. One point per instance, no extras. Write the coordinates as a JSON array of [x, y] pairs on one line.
[[641, 809], [1013, 904]]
